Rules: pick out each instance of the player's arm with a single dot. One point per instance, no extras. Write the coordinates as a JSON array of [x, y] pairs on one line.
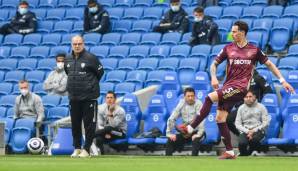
[[213, 70], [277, 73]]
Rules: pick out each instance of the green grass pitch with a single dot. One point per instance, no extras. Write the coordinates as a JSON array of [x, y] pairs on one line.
[[145, 163]]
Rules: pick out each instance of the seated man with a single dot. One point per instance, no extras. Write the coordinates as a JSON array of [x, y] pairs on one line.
[[204, 30], [56, 82], [96, 19], [111, 123], [175, 20], [24, 22], [187, 108], [29, 105], [252, 121]]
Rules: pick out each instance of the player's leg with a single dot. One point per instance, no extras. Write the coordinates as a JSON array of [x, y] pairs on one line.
[[76, 126]]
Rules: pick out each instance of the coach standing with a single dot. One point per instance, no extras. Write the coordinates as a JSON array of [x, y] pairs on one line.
[[84, 73]]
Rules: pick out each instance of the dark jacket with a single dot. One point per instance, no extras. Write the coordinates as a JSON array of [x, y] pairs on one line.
[[84, 74], [204, 32], [24, 24], [98, 22], [179, 20], [259, 85]]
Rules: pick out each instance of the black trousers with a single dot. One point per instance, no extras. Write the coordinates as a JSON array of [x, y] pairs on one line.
[[231, 121], [6, 29], [161, 29], [246, 147], [178, 145], [100, 136], [85, 111]]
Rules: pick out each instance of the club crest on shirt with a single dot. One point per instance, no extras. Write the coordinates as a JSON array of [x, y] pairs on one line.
[[68, 66], [83, 65]]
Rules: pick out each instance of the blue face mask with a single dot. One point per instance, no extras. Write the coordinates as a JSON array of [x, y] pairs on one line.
[[93, 9], [23, 11]]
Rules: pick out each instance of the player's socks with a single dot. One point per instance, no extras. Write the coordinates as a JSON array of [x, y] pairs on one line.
[[203, 113], [225, 133]]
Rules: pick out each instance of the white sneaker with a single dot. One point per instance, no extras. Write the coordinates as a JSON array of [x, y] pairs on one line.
[[76, 153], [84, 154]]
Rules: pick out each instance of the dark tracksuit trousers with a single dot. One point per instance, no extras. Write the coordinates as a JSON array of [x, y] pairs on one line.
[[253, 144], [87, 111]]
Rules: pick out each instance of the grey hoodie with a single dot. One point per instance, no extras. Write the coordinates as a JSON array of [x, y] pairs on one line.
[[252, 118], [56, 82]]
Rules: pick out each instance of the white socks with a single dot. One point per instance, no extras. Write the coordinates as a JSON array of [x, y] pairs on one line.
[[189, 129]]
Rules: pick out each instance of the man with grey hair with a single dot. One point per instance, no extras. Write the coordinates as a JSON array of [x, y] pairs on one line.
[[84, 72], [252, 121]]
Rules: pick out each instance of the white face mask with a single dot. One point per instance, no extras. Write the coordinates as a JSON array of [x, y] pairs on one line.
[[60, 65], [175, 8], [23, 11], [24, 92], [198, 19], [93, 9]]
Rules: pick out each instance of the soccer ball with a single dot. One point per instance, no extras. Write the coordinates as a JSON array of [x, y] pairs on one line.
[[35, 146]]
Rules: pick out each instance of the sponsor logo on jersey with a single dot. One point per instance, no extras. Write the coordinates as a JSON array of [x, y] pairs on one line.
[[242, 62]]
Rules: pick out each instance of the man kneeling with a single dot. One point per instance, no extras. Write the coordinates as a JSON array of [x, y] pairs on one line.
[[111, 122]]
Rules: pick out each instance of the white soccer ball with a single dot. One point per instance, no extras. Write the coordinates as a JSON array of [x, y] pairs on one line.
[[35, 146]]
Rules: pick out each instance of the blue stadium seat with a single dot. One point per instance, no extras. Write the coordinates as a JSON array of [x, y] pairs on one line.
[[118, 52], [293, 51], [249, 22], [45, 26], [290, 63], [12, 40], [8, 101], [56, 14], [35, 76], [8, 64], [39, 13], [78, 27], [153, 13], [273, 11], [56, 113], [32, 39], [124, 88], [39, 52], [9, 124], [33, 3], [66, 39], [47, 3], [287, 23], [51, 39], [168, 64], [186, 3], [232, 12], [133, 13], [279, 39], [64, 139], [116, 76], [141, 26], [155, 116], [150, 39], [163, 4], [255, 38], [47, 64], [224, 25], [201, 81], [67, 3], [2, 73], [180, 51], [2, 112], [5, 88], [92, 39], [202, 52], [154, 78], [137, 77], [290, 12], [10, 111], [4, 51], [9, 4], [105, 3], [20, 52], [139, 52], [211, 130], [111, 39], [100, 51], [58, 49], [170, 89], [4, 14], [38, 89], [127, 64], [21, 133], [293, 78], [109, 64], [188, 67], [185, 38], [122, 26], [161, 51], [63, 27], [262, 3], [115, 13], [213, 11], [148, 64], [27, 64], [51, 101], [64, 101], [171, 38], [14, 76], [143, 3], [130, 39], [242, 3], [105, 87], [123, 3]]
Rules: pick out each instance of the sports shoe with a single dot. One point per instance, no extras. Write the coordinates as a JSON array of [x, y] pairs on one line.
[[76, 153], [226, 155], [84, 154]]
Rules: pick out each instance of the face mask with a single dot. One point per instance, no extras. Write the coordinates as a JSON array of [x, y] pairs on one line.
[[24, 92], [23, 11], [175, 8], [60, 65], [198, 19], [93, 9]]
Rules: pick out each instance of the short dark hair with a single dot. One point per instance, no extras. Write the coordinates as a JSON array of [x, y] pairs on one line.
[[199, 9], [252, 92], [60, 55], [242, 26], [189, 89], [92, 2], [23, 81], [23, 3], [111, 92]]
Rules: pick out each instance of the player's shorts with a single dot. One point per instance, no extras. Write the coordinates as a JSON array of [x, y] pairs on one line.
[[229, 96]]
